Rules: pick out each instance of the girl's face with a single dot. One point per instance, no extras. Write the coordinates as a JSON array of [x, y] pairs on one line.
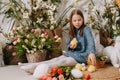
[[77, 21]]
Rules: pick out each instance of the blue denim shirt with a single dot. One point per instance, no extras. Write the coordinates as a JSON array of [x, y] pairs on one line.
[[86, 45]]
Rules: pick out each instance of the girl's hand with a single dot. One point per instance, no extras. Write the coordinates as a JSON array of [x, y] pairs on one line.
[[73, 46], [92, 58]]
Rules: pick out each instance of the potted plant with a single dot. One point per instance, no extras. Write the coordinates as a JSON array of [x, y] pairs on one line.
[[29, 19], [33, 41]]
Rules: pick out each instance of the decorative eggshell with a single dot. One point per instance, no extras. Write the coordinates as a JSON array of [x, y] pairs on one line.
[[91, 68], [77, 73]]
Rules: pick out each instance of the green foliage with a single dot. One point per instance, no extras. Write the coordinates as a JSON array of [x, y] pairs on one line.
[[108, 18], [101, 57], [26, 40]]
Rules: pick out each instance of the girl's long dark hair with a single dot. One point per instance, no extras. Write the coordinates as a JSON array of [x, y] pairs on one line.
[[72, 29]]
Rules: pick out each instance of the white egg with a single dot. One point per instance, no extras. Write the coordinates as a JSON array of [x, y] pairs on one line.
[[77, 73]]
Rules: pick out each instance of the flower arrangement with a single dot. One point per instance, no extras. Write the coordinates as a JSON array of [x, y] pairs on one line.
[[35, 13], [106, 17], [59, 73], [26, 40], [67, 73]]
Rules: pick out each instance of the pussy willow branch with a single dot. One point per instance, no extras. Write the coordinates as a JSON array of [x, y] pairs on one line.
[[97, 13], [63, 14]]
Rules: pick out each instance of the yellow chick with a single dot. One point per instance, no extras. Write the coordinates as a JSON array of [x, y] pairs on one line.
[[84, 68], [78, 66], [74, 41], [91, 68]]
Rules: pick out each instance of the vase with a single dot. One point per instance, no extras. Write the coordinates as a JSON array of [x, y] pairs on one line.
[[36, 57]]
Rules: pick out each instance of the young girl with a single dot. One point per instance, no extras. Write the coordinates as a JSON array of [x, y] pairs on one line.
[[80, 45]]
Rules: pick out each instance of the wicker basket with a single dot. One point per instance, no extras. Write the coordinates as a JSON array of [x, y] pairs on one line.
[[36, 57], [99, 64]]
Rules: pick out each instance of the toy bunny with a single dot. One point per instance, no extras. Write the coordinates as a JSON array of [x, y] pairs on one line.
[[113, 52]]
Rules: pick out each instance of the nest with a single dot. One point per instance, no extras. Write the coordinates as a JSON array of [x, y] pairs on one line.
[[99, 64]]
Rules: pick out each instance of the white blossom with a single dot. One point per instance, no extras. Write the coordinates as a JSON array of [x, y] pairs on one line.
[[25, 15], [43, 40], [51, 27]]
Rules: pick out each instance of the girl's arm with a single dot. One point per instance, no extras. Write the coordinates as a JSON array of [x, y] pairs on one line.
[[89, 41], [90, 45]]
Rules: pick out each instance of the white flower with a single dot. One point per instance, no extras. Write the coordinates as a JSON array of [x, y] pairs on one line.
[[105, 22], [114, 27], [25, 15], [56, 37], [43, 40], [39, 46], [50, 13], [32, 51], [15, 42], [51, 27], [44, 5], [39, 20], [33, 42], [28, 51], [94, 9], [36, 7], [58, 40], [42, 35], [53, 7], [113, 10], [39, 1]]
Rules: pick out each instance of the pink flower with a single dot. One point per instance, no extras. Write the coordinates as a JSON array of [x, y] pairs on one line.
[[46, 33], [28, 36], [15, 42], [26, 27], [33, 30], [14, 30], [14, 53], [15, 38], [26, 41], [18, 40], [56, 37], [10, 47]]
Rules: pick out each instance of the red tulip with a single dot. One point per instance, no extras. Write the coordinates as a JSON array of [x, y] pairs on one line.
[[59, 71], [54, 70]]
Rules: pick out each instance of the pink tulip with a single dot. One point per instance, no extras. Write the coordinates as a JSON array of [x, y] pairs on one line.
[[18, 40], [26, 41], [28, 36], [33, 30], [14, 53], [10, 47], [15, 42]]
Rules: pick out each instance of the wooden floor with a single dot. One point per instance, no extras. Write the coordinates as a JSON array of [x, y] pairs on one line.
[[108, 72]]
